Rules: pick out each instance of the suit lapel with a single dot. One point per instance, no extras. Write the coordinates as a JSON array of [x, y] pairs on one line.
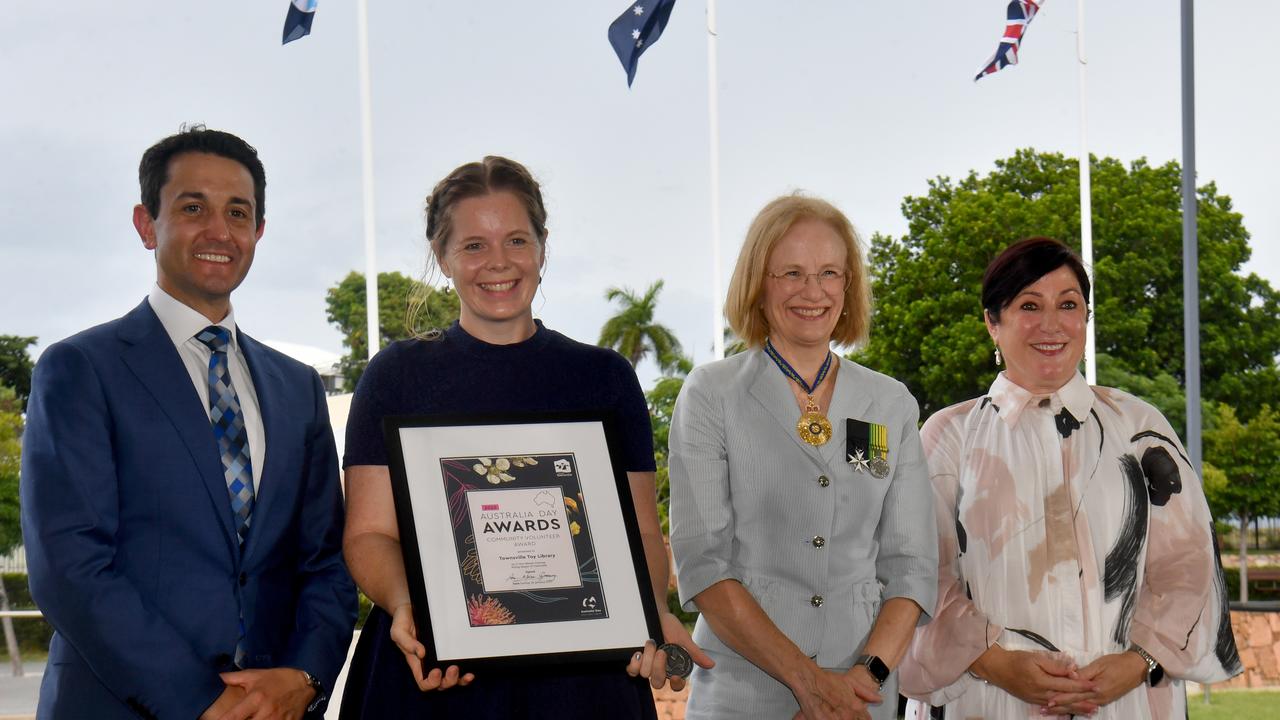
[[848, 400], [267, 384], [151, 357], [769, 388]]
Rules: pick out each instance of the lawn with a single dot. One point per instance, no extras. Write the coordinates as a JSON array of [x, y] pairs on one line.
[[1235, 705]]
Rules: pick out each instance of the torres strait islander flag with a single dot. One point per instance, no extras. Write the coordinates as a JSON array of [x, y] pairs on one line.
[[297, 24], [1020, 13]]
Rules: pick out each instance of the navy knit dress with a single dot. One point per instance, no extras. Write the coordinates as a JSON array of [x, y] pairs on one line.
[[457, 373]]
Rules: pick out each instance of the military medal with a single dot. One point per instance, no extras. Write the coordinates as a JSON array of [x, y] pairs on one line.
[[859, 461], [867, 447], [813, 427], [879, 450]]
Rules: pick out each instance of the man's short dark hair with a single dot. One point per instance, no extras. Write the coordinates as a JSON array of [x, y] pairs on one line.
[[1022, 264], [153, 171]]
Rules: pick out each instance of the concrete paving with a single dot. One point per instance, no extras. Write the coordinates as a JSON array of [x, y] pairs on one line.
[[18, 694]]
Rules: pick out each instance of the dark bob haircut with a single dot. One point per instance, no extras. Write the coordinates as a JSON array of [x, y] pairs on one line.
[[1022, 264], [153, 171]]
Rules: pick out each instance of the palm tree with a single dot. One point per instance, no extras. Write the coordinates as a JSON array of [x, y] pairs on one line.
[[634, 334]]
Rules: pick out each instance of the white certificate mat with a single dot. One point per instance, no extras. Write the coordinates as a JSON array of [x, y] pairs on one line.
[[525, 537]]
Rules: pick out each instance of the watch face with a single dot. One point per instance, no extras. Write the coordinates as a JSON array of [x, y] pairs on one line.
[[878, 669], [1155, 675]]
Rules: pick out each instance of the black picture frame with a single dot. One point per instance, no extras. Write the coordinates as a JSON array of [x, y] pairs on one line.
[[467, 611]]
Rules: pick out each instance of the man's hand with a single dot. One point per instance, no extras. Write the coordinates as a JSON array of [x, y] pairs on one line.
[[273, 694], [230, 697]]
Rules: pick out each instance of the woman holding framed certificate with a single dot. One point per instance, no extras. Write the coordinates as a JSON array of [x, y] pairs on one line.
[[799, 491], [486, 225]]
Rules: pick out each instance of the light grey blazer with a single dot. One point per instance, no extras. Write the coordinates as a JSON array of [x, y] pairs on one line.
[[816, 543]]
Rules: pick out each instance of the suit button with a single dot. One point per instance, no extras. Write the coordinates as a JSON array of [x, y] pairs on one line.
[[816, 601], [819, 541], [221, 662], [823, 480], [244, 579]]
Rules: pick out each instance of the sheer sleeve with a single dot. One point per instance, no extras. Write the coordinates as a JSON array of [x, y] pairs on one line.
[[935, 667], [1181, 615]]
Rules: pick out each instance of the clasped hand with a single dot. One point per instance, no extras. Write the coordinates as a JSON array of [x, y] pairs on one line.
[[1111, 676], [833, 695], [267, 694]]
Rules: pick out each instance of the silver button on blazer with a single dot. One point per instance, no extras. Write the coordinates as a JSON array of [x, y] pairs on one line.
[[818, 543]]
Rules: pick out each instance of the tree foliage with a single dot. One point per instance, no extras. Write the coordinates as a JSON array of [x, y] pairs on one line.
[[1245, 458], [633, 331], [16, 365], [398, 294], [10, 463], [928, 330], [662, 403]]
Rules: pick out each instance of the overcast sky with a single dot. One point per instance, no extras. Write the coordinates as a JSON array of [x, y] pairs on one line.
[[858, 102]]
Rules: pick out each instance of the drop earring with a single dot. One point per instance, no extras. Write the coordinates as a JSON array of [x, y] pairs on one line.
[[999, 360]]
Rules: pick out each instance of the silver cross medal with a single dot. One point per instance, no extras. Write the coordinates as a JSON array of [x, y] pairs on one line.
[[859, 462]]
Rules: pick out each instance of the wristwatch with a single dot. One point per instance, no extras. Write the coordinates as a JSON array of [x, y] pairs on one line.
[[1155, 671], [879, 671], [314, 684]]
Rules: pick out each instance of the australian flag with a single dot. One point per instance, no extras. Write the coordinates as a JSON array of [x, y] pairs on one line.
[[636, 29], [297, 23], [1020, 13]]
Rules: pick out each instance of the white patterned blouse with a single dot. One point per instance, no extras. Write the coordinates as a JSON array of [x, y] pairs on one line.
[[1071, 522]]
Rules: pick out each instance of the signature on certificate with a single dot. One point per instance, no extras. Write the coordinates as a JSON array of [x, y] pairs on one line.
[[531, 577]]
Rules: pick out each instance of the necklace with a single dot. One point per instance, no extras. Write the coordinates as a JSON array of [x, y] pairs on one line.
[[813, 427]]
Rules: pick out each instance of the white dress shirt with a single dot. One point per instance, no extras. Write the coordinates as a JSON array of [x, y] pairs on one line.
[[183, 324]]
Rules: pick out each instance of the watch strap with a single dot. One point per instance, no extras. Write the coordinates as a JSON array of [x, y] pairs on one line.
[[875, 666], [1155, 671], [314, 684]]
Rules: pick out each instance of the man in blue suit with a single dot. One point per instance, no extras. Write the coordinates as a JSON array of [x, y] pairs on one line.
[[180, 500]]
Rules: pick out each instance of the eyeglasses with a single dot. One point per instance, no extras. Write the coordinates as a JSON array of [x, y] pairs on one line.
[[832, 281]]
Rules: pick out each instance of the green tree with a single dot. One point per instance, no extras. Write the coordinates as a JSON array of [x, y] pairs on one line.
[[662, 403], [928, 329], [406, 307], [1161, 390], [10, 462], [633, 332], [1247, 455], [16, 365]]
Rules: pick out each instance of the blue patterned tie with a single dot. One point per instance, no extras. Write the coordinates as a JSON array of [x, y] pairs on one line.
[[233, 442]]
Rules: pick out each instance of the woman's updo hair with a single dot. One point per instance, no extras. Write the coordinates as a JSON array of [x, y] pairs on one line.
[[476, 179], [1022, 264]]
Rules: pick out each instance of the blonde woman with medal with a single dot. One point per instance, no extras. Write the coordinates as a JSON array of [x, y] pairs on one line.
[[1079, 573], [797, 488]]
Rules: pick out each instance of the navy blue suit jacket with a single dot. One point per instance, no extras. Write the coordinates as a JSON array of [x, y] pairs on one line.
[[128, 528]]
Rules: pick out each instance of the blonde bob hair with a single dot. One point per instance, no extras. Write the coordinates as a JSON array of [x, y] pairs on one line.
[[743, 306]]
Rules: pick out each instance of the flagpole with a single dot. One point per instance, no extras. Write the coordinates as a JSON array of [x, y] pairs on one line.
[[1190, 242], [366, 132], [713, 118], [1086, 204]]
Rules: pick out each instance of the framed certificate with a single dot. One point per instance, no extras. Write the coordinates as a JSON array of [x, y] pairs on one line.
[[520, 542]]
